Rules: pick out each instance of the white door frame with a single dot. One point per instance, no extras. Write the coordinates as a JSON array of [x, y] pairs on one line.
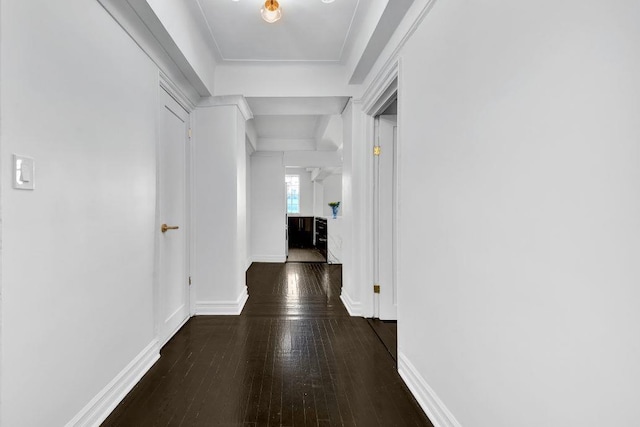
[[166, 85], [383, 91], [384, 217]]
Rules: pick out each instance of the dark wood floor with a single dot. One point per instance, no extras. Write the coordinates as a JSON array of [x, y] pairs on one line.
[[305, 255], [387, 332], [293, 358]]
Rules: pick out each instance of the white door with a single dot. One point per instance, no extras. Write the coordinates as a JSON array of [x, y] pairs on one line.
[[173, 298], [385, 175]]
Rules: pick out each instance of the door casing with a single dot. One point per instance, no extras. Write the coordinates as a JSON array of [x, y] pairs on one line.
[[381, 94], [167, 86]]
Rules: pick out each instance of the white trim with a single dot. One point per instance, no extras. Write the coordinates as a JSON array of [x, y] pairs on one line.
[[99, 408], [378, 92], [172, 333], [185, 102], [435, 409], [226, 100], [353, 308], [165, 85], [191, 219], [389, 55], [269, 258], [382, 89], [224, 308], [176, 93]]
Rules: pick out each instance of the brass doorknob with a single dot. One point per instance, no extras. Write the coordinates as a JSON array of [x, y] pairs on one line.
[[166, 227]]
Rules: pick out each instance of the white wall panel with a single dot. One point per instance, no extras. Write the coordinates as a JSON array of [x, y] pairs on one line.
[[268, 207], [77, 253], [220, 204], [520, 211]]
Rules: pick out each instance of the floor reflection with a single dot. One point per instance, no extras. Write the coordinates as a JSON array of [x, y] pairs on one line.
[[299, 290], [293, 358]]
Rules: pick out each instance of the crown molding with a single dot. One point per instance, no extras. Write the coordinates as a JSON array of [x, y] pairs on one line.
[[174, 90], [228, 100], [385, 85], [387, 62]]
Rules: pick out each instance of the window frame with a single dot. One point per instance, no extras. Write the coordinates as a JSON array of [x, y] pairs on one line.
[[289, 184]]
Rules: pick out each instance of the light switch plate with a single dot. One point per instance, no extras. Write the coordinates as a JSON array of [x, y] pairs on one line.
[[24, 172]]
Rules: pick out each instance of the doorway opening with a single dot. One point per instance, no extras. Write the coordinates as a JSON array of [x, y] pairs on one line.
[[384, 121], [313, 229], [385, 183]]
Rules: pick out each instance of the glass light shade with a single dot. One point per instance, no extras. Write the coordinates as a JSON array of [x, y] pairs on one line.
[[271, 11]]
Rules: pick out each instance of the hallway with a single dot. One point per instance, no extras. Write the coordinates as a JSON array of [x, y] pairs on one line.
[[293, 358]]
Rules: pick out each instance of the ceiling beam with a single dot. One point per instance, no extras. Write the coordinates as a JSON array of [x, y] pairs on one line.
[[297, 106], [279, 144]]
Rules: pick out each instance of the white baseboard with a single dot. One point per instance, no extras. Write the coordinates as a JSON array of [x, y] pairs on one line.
[[269, 258], [224, 308], [354, 308], [99, 408], [175, 331], [435, 409]]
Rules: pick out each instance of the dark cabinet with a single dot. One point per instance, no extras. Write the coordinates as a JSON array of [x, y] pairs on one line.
[[321, 236], [300, 232]]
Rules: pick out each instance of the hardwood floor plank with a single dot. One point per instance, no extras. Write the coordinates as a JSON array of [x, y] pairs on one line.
[[294, 357]]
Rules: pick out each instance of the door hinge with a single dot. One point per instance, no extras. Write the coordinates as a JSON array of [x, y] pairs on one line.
[[189, 280], [377, 150], [376, 289], [189, 133]]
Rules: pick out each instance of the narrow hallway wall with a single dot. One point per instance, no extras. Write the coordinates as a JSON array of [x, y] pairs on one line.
[[77, 252], [220, 208], [520, 212]]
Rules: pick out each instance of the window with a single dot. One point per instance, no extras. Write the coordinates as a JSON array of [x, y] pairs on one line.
[[293, 193]]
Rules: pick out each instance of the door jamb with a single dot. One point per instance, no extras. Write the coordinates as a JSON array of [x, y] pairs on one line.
[[378, 97]]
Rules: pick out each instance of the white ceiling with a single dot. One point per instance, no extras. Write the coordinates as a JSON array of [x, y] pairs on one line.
[[287, 127], [350, 33], [298, 124], [309, 30]]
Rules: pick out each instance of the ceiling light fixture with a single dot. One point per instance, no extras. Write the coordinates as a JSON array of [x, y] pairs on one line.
[[328, 1], [271, 11]]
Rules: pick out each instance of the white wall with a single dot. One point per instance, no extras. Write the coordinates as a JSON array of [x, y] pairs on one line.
[[185, 24], [248, 152], [241, 204], [306, 190], [77, 253], [268, 206], [318, 198], [356, 271], [520, 211], [331, 137], [332, 192], [220, 203]]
